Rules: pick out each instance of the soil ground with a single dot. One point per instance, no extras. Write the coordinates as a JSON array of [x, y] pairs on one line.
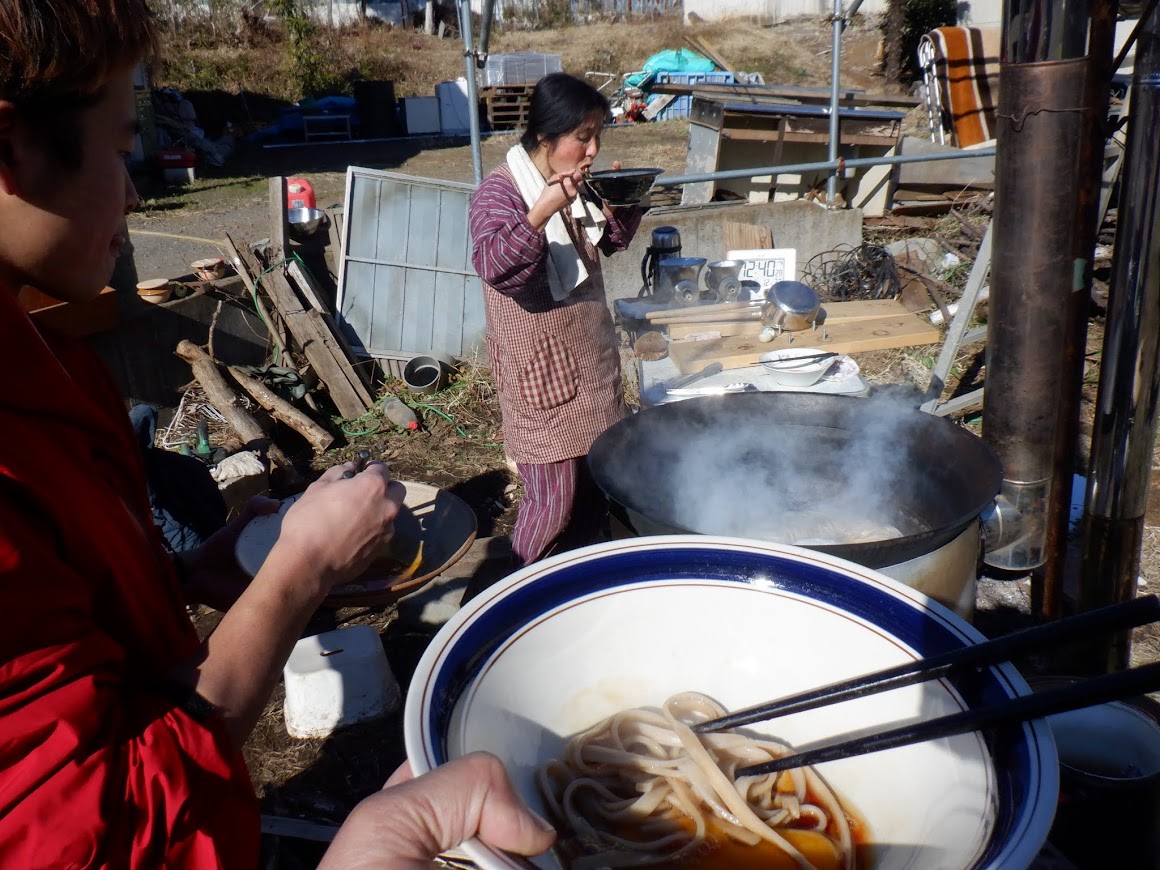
[[459, 445]]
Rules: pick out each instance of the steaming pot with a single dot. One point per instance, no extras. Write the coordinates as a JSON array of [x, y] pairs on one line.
[[722, 465]]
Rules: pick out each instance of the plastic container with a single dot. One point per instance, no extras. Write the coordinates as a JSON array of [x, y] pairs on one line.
[[177, 166], [683, 105], [337, 678], [397, 411], [425, 374], [299, 194]]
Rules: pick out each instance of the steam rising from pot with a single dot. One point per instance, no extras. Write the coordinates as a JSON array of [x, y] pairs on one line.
[[853, 479]]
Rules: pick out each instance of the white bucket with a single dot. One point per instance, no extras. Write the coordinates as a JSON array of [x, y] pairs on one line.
[[337, 678]]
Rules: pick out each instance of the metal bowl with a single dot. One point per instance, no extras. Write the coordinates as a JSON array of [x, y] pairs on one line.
[[304, 222], [623, 186], [792, 305]]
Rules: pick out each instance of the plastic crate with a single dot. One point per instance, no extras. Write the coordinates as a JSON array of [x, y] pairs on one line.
[[683, 105]]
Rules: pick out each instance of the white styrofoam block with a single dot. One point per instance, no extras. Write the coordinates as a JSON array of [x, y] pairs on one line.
[[454, 112], [337, 678]]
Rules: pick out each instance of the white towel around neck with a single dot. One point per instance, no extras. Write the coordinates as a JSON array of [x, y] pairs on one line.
[[565, 268]]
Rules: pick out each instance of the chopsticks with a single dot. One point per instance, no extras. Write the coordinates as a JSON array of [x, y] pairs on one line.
[[360, 463], [1114, 617], [791, 361], [1098, 690]]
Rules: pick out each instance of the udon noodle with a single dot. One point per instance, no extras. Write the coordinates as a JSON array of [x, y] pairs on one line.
[[642, 787]]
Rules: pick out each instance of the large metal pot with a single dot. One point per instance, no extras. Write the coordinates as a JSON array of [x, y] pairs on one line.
[[757, 464]]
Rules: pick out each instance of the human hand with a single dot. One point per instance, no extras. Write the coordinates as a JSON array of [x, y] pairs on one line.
[[211, 572], [341, 524], [413, 819], [562, 189]]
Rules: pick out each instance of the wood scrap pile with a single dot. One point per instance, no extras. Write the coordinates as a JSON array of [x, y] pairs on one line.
[[306, 340]]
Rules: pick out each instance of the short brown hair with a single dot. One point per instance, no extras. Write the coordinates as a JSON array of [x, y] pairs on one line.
[[57, 55]]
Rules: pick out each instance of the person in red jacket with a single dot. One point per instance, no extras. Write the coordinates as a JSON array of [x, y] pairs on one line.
[[120, 732]]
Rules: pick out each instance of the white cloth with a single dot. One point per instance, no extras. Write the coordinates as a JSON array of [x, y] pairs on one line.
[[565, 269]]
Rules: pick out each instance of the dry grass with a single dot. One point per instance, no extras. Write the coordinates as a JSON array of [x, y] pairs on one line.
[[262, 63]]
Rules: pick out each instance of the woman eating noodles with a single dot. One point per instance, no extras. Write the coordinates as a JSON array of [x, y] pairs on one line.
[[537, 239]]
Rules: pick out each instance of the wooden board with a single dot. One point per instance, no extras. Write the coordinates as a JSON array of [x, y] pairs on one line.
[[743, 237], [735, 323], [77, 319], [854, 336]]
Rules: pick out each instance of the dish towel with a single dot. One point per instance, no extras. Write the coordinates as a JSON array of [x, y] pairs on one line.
[[566, 270]]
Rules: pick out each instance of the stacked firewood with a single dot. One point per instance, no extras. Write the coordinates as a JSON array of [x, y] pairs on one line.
[[307, 337]]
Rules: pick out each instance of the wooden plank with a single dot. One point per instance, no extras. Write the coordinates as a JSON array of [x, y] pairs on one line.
[[328, 336], [702, 45], [275, 324], [832, 313], [317, 343], [78, 319], [657, 106], [746, 237], [279, 229], [738, 351], [306, 285], [878, 140], [672, 314]]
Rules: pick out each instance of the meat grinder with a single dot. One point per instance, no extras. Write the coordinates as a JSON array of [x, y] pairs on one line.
[[723, 280], [679, 279]]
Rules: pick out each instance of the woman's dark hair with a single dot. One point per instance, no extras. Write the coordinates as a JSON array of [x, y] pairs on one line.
[[561, 103]]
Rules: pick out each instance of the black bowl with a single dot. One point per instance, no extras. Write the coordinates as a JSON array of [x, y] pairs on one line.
[[623, 186]]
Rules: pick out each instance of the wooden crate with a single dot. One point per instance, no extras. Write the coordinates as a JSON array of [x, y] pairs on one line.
[[506, 106]]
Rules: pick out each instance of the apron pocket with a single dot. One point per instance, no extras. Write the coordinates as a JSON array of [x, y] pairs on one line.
[[551, 377]]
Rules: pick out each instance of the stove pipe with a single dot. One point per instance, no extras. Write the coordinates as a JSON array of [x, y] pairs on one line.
[[1125, 420], [1034, 272]]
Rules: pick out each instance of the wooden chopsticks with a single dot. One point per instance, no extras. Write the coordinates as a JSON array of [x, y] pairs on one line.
[[1116, 617], [1098, 690]]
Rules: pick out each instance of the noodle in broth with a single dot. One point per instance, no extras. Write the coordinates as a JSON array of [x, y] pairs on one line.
[[642, 787]]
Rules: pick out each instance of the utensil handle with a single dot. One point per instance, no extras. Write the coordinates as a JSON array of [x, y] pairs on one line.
[[1099, 690], [1114, 617], [711, 369]]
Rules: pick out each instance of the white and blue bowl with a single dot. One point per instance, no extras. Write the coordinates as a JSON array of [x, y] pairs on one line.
[[563, 643]]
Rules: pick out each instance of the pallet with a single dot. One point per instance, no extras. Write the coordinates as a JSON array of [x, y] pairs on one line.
[[506, 106]]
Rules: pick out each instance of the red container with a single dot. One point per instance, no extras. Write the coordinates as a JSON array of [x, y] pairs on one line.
[[174, 158], [299, 193]]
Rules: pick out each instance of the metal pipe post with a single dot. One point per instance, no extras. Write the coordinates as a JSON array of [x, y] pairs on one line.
[[1126, 404], [1040, 122], [472, 89], [1047, 585], [835, 91], [818, 166]]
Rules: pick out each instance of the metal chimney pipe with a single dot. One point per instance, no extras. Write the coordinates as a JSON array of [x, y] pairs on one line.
[[1040, 121], [1126, 403]]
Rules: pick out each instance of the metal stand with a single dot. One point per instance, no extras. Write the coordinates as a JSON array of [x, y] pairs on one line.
[[957, 335]]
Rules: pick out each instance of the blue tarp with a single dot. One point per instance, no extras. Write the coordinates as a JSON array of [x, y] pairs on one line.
[[680, 60]]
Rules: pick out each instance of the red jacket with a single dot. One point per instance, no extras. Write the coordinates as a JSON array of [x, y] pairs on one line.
[[98, 768]]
